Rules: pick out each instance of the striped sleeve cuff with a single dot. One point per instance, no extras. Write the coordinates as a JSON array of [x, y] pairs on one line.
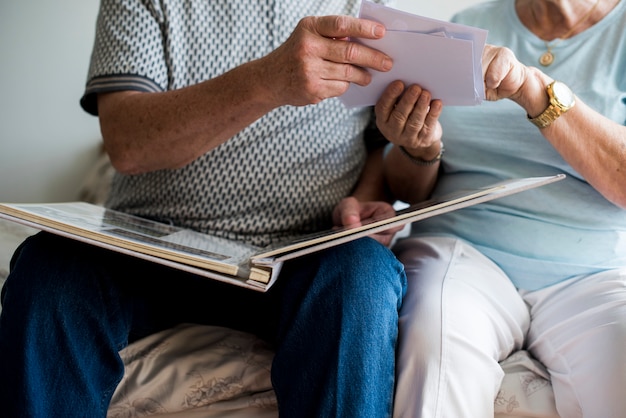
[[110, 83]]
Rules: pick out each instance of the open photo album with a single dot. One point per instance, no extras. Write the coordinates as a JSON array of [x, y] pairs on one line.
[[221, 259]]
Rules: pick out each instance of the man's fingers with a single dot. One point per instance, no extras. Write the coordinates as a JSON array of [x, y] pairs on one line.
[[347, 212], [354, 53], [346, 26], [347, 73], [338, 30]]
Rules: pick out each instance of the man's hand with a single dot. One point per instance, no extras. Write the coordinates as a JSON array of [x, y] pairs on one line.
[[144, 132], [319, 61], [350, 213]]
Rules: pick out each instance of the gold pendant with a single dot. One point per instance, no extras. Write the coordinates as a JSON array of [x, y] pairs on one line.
[[546, 58]]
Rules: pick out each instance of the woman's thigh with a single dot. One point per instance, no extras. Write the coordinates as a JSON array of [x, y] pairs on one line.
[[461, 315], [578, 331]]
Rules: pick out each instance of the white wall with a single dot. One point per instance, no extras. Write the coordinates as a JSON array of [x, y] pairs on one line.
[[46, 141], [437, 9]]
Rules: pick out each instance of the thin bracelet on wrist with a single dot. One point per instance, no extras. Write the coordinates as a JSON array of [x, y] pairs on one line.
[[421, 162]]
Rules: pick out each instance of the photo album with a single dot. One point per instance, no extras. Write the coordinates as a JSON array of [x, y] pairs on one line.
[[221, 259]]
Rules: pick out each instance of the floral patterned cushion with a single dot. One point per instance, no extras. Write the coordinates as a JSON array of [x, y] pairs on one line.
[[197, 371]]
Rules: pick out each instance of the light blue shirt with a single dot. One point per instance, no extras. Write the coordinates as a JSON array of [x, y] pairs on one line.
[[566, 229]]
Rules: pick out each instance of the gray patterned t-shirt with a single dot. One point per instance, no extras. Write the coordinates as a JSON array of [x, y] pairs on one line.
[[278, 178]]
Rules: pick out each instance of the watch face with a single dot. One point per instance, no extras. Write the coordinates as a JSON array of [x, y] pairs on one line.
[[563, 94]]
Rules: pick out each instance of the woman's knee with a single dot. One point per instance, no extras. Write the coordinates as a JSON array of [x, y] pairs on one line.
[[452, 286]]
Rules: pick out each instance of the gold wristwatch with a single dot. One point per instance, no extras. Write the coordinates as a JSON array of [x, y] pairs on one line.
[[561, 98]]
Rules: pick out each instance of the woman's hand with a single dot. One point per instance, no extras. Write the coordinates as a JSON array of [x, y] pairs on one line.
[[507, 78], [410, 118]]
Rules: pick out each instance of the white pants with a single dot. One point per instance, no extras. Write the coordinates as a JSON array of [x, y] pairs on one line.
[[462, 315]]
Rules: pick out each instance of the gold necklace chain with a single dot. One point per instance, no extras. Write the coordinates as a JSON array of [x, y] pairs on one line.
[[547, 58]]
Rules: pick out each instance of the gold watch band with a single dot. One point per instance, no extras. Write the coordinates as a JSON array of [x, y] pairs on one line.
[[547, 117], [561, 99]]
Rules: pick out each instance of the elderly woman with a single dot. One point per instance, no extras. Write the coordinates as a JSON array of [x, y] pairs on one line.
[[544, 270]]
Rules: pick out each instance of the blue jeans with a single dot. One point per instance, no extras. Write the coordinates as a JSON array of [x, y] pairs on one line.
[[68, 308]]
